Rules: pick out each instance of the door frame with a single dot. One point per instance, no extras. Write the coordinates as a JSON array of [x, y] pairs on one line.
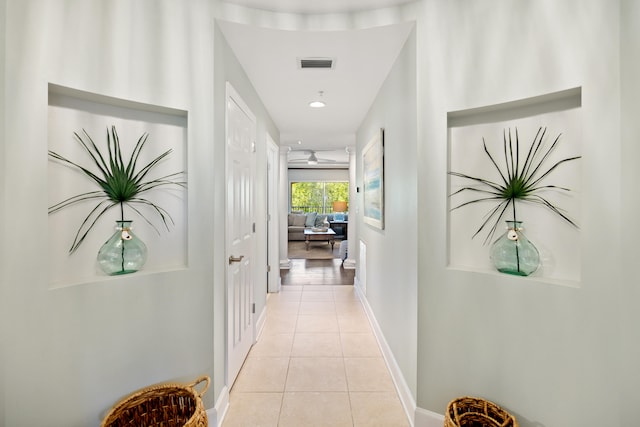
[[273, 216]]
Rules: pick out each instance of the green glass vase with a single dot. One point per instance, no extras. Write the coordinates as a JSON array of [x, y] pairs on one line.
[[513, 253], [123, 253]]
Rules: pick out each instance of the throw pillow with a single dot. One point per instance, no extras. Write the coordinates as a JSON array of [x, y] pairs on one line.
[[299, 220], [320, 220], [290, 219], [311, 219]]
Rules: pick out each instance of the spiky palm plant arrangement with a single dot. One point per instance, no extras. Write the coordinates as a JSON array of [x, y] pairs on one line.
[[518, 182], [121, 183]]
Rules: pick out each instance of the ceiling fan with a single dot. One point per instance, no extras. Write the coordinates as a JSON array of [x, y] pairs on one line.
[[312, 159]]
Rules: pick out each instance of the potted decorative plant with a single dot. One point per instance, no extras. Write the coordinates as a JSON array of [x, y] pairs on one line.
[[519, 181], [120, 183]]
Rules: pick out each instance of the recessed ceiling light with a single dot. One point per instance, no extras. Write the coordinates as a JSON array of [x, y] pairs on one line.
[[318, 103]]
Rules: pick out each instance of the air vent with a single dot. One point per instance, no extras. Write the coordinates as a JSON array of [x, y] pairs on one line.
[[322, 63]]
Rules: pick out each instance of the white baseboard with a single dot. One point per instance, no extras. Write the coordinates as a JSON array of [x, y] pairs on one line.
[[285, 264], [216, 414], [260, 322], [274, 288], [212, 417], [349, 264], [406, 397], [426, 418]]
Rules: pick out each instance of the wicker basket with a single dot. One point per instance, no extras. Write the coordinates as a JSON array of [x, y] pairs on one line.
[[166, 405], [475, 412]]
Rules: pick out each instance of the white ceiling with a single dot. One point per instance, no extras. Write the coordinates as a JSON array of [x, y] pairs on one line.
[[362, 58], [317, 6]]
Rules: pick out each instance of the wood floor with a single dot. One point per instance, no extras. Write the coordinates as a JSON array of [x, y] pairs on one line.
[[317, 272]]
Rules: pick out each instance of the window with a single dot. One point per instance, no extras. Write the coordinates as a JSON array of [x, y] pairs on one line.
[[317, 196]]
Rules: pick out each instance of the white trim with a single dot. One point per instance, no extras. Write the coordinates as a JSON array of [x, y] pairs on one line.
[[277, 287], [212, 417], [426, 418], [406, 397], [260, 322], [273, 214], [285, 264], [216, 414], [361, 271], [349, 264]]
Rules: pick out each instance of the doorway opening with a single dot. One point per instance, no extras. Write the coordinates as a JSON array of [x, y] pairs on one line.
[[316, 272]]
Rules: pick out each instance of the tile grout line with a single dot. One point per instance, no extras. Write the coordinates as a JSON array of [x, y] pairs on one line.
[[352, 328]]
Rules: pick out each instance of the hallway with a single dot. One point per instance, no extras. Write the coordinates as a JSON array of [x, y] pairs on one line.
[[317, 363]]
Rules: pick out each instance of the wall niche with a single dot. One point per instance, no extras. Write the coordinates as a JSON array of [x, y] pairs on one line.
[[71, 110], [558, 242]]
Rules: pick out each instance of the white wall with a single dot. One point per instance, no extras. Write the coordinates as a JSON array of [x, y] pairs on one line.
[[628, 290], [3, 203], [545, 352], [274, 234], [283, 207], [553, 355], [72, 352], [227, 68], [296, 175], [391, 276]]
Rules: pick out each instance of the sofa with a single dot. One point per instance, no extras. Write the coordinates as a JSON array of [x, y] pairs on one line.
[[297, 222]]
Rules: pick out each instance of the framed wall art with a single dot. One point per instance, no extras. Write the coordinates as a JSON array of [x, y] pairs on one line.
[[373, 181]]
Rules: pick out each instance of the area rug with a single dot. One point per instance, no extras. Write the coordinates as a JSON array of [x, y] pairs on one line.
[[317, 250]]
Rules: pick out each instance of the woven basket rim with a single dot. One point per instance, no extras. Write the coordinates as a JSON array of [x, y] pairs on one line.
[[131, 397], [487, 405]]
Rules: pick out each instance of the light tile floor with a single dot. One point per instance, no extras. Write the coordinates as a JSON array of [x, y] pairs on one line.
[[316, 364]]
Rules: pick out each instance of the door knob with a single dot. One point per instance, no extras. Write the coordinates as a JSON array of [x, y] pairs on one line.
[[233, 259]]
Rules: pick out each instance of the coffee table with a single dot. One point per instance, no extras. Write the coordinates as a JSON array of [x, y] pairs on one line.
[[325, 236], [341, 226]]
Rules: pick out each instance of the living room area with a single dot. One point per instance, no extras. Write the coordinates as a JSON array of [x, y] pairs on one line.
[[314, 235], [317, 251], [318, 217]]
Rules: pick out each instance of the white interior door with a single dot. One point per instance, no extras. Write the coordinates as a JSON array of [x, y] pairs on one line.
[[240, 152], [273, 218]]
